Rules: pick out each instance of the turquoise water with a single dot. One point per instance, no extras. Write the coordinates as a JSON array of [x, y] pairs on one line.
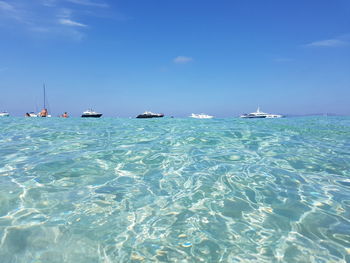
[[175, 190]]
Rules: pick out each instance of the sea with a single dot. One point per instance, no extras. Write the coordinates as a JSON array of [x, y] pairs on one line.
[[174, 190]]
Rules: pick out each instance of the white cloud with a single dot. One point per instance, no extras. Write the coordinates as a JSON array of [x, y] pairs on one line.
[[52, 17], [182, 60], [13, 12], [328, 43], [49, 3], [69, 22], [6, 6], [88, 3]]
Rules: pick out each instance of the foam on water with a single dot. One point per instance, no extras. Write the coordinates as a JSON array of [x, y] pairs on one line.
[[175, 190]]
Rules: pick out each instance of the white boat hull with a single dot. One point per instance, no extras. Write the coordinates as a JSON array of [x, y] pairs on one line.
[[201, 116], [91, 114], [260, 115]]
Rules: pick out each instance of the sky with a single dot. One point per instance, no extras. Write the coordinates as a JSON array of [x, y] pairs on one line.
[[223, 58]]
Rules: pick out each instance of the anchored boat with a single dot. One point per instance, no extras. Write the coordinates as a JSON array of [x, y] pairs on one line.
[[148, 114], [260, 115], [201, 116], [91, 114], [4, 114], [44, 112], [32, 115]]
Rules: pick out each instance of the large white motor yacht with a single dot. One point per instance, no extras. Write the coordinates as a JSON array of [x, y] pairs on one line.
[[260, 115], [201, 116]]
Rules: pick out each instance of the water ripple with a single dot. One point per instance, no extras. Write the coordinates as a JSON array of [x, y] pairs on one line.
[[175, 190]]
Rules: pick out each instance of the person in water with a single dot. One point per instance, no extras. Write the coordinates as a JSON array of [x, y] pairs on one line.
[[65, 115], [43, 113]]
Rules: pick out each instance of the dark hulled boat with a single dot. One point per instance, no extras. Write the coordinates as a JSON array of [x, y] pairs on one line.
[[91, 114], [148, 114]]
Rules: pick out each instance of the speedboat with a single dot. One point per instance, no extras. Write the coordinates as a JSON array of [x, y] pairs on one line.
[[201, 116], [4, 114], [33, 115], [91, 114], [260, 115], [148, 114]]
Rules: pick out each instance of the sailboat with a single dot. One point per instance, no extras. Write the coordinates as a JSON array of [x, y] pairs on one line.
[[44, 112]]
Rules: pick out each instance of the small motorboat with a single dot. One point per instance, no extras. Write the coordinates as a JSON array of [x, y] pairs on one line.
[[260, 115], [33, 115], [91, 114], [148, 114], [4, 114], [201, 116]]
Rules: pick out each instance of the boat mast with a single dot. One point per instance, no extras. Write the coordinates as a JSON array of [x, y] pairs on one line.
[[44, 97]]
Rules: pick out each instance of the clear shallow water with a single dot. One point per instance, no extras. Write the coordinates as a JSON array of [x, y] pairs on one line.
[[175, 190]]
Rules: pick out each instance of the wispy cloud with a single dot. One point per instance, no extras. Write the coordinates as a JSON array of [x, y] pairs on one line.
[[49, 2], [13, 13], [88, 3], [6, 6], [335, 42], [52, 17], [68, 22], [182, 60]]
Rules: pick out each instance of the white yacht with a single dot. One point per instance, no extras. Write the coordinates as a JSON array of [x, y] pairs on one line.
[[91, 114], [260, 115], [4, 114], [201, 116]]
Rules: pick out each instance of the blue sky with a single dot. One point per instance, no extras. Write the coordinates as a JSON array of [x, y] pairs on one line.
[[177, 57]]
